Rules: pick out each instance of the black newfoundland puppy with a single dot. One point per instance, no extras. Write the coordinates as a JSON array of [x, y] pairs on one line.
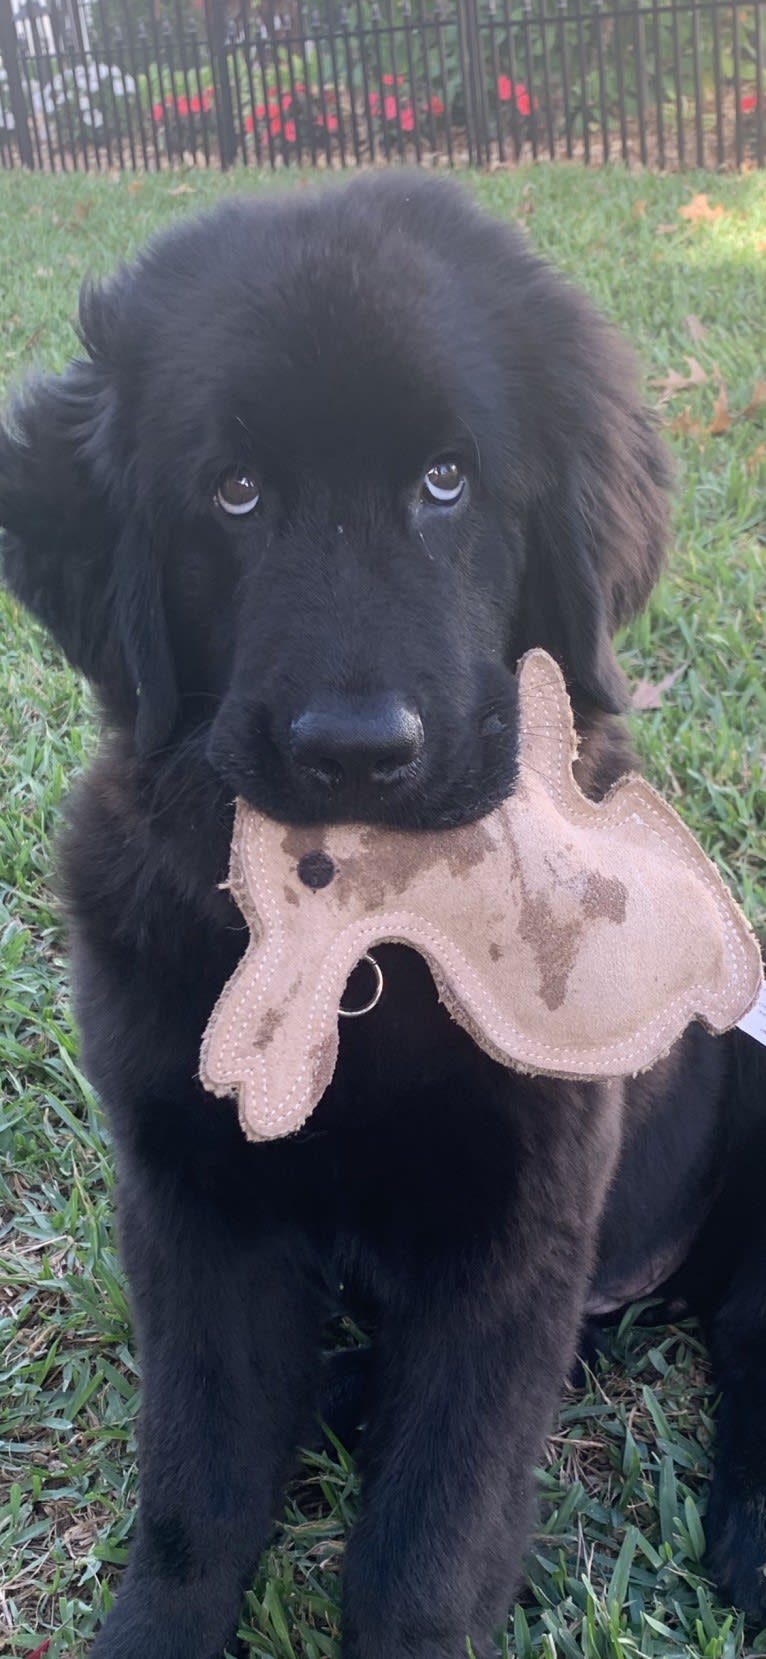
[[329, 465]]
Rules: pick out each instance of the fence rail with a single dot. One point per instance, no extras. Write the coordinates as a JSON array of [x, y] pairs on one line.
[[669, 83]]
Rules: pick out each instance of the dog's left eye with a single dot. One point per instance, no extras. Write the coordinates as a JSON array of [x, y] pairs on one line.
[[443, 483], [238, 494]]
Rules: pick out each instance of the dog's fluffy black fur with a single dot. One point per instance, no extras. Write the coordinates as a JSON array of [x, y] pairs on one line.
[[336, 346]]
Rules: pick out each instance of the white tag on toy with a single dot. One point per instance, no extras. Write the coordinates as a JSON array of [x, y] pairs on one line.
[[754, 1023]]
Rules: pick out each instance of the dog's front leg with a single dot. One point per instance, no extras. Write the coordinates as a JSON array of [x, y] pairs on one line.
[[471, 1363], [228, 1334]]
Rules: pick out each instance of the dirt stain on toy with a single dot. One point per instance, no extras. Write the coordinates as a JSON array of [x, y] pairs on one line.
[[301, 839], [322, 1061], [268, 1028], [555, 946], [604, 896], [388, 865]]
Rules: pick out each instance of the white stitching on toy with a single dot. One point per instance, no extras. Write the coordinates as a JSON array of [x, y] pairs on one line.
[[353, 939], [540, 685], [499, 1030], [651, 802]]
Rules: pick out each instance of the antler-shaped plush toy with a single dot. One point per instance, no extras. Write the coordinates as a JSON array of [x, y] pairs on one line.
[[569, 938]]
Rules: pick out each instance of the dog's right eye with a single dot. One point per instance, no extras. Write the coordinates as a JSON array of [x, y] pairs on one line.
[[443, 483], [238, 493]]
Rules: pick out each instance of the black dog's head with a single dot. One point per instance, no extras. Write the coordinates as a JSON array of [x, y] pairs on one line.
[[332, 463]]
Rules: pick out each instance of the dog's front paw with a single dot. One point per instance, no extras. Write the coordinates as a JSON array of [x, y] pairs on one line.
[[146, 1625], [736, 1535]]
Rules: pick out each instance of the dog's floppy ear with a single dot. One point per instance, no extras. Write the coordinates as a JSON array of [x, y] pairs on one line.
[[598, 519], [75, 549]]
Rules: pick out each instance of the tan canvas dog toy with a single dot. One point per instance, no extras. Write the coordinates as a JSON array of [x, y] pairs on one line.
[[569, 938]]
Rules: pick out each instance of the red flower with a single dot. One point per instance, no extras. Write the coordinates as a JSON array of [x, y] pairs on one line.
[[183, 106], [748, 102], [390, 80], [275, 125], [389, 108], [407, 118], [249, 123], [158, 110], [197, 104], [332, 123], [518, 94], [374, 103], [290, 132], [436, 106], [287, 99], [260, 110], [272, 107]]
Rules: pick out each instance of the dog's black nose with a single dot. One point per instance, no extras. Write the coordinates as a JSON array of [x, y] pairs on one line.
[[351, 742]]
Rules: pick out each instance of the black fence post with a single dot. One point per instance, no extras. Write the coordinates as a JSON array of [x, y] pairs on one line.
[[216, 22], [476, 81], [471, 68], [9, 52]]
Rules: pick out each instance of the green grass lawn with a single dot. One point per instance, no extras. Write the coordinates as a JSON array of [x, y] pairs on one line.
[[615, 1567]]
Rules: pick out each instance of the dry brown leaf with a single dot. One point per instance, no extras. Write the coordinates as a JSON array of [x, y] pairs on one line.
[[699, 208], [646, 695], [685, 425], [673, 382], [697, 375], [638, 210], [757, 400], [696, 328], [757, 460], [721, 418]]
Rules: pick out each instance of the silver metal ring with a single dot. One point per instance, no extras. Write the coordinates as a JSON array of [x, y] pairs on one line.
[[353, 1013]]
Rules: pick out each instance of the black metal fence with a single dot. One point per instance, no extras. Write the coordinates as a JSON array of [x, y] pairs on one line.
[[146, 84]]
